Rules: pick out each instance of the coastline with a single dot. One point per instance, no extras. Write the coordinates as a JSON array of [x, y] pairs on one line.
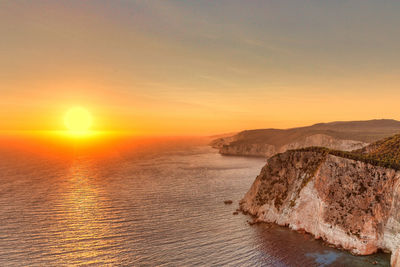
[[308, 206]]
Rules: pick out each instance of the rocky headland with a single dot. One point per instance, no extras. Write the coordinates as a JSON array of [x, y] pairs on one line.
[[346, 136], [349, 199]]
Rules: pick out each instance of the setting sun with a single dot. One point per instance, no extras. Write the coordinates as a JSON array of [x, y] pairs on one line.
[[78, 120]]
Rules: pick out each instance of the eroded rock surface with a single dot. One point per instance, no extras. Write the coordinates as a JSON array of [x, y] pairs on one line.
[[348, 203], [267, 150], [395, 258]]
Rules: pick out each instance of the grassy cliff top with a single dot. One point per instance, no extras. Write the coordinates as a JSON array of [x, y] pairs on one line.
[[388, 148], [384, 153]]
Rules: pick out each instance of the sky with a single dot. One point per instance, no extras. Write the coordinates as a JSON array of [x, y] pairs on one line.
[[198, 67]]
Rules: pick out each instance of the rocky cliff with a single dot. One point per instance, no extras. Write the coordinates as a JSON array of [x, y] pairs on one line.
[[395, 258], [351, 204], [221, 141], [267, 150], [345, 136]]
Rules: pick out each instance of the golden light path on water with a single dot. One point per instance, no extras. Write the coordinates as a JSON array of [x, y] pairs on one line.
[[82, 214]]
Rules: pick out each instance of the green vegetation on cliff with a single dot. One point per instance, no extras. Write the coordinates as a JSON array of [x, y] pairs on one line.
[[384, 153]]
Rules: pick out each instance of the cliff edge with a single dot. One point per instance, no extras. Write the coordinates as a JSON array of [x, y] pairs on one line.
[[349, 200]]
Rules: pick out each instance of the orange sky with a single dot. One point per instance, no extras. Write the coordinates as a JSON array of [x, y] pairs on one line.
[[197, 67]]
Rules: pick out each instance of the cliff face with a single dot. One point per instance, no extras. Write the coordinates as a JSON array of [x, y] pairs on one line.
[[324, 141], [350, 135], [253, 150], [348, 203], [267, 150], [222, 141], [395, 259]]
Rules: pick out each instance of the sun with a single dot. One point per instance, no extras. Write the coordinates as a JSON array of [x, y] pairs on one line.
[[78, 120]]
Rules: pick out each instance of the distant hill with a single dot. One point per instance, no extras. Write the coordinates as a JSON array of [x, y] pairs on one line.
[[348, 135], [364, 131]]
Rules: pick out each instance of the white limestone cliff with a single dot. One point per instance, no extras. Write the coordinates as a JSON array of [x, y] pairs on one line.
[[347, 203], [229, 147]]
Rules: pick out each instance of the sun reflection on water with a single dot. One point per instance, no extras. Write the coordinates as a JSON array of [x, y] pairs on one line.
[[86, 232]]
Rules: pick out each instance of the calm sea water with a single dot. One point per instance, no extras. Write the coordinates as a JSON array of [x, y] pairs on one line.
[[160, 204]]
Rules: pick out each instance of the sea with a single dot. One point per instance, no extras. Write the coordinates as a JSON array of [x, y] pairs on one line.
[[152, 202]]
